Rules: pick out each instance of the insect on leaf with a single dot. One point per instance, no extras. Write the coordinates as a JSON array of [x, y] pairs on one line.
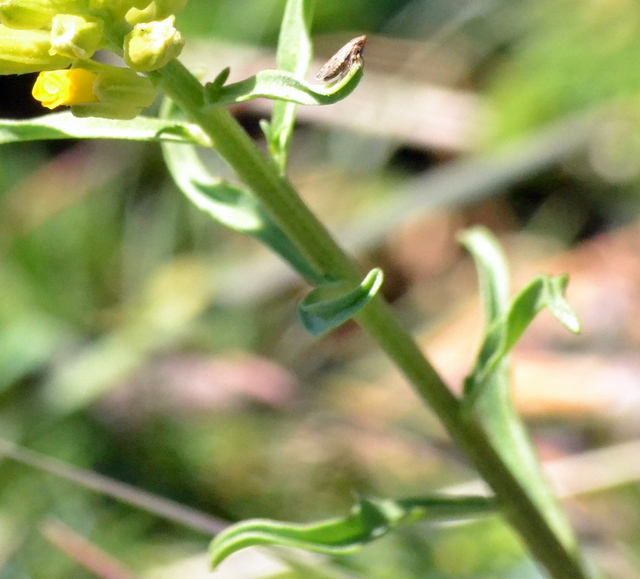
[[337, 67]]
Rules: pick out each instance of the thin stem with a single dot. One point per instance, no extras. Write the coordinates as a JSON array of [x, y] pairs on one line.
[[561, 558]]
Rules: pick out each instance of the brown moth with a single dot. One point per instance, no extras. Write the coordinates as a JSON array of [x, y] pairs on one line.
[[338, 66]]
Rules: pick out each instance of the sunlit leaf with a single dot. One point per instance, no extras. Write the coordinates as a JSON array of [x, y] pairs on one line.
[[281, 85], [492, 270], [66, 126], [557, 303], [369, 520], [294, 55]]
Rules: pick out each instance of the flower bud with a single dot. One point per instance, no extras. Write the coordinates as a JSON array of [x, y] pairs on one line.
[[77, 37], [151, 45], [35, 14], [155, 10], [24, 51], [121, 93], [55, 88]]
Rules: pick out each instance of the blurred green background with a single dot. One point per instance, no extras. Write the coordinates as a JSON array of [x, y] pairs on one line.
[[142, 341]]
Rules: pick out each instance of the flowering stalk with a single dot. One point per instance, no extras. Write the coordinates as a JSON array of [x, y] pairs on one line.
[[144, 34]]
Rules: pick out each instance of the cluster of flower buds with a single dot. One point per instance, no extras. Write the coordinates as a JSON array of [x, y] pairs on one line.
[[52, 35]]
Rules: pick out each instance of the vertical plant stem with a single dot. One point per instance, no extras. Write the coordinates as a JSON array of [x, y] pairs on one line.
[[560, 557]]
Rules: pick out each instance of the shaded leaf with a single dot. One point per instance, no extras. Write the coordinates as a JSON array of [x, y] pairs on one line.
[[330, 305], [231, 205]]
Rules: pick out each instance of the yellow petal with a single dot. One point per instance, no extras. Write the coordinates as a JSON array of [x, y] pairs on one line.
[[55, 88]]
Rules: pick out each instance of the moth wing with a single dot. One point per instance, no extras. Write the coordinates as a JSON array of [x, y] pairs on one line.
[[333, 66]]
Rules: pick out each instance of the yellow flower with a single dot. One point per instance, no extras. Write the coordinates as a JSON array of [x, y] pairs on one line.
[[55, 88], [97, 90]]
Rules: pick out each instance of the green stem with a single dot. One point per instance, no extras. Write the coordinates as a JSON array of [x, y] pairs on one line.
[[558, 553]]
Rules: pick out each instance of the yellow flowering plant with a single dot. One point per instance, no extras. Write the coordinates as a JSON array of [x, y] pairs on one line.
[[60, 39]]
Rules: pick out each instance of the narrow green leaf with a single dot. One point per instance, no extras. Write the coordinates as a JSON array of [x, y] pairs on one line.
[[332, 304], [231, 205], [294, 43], [559, 306], [294, 55], [66, 126], [488, 390], [285, 86], [492, 268], [226, 203], [542, 292], [369, 519], [506, 322], [508, 434]]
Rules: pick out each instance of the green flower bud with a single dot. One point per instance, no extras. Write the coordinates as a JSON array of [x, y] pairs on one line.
[[156, 10], [24, 51], [121, 93], [75, 36], [34, 14], [151, 45]]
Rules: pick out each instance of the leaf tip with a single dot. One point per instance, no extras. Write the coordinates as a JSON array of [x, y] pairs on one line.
[[212, 89]]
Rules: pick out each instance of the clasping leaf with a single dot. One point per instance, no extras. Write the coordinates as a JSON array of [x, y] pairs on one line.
[[332, 304], [281, 85]]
